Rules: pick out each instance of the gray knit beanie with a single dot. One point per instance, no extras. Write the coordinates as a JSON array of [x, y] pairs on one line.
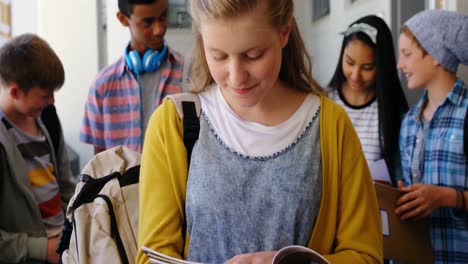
[[443, 34]]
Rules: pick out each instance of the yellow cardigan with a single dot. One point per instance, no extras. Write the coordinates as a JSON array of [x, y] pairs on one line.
[[347, 228]]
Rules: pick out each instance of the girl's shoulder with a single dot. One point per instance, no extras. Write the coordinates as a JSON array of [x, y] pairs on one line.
[[330, 109]]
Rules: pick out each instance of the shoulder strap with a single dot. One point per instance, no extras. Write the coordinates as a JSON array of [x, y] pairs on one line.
[[465, 133], [188, 108], [51, 121], [185, 97], [191, 124], [114, 229]]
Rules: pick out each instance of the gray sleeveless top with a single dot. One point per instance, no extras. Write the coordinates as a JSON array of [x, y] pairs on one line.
[[237, 204]]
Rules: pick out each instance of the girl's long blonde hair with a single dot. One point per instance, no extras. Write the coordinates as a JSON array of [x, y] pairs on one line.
[[296, 63]]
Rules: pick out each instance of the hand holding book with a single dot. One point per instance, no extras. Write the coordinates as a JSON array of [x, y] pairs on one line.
[[286, 255]]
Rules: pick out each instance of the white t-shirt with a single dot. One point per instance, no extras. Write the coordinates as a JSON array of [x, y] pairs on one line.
[[250, 138]]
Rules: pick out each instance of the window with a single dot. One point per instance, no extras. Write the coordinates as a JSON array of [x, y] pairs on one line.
[[179, 16], [5, 21], [320, 9]]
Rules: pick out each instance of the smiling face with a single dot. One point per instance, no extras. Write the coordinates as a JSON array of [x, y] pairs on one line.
[[358, 66], [244, 55], [31, 103], [418, 67], [147, 24]]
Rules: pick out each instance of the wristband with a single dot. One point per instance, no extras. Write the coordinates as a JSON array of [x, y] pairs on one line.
[[462, 194]]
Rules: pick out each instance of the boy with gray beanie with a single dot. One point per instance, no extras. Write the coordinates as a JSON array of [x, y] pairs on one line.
[[432, 44]]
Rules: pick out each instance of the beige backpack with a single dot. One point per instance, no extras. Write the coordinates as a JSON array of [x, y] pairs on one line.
[[103, 213]]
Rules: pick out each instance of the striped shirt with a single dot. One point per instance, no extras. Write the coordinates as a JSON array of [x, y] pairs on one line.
[[365, 119], [445, 164], [41, 173], [113, 111]]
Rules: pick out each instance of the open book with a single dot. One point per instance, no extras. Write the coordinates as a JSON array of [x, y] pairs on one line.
[[286, 255], [379, 171]]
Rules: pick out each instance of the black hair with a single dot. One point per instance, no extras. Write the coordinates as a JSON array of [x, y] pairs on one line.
[[392, 103], [29, 61], [126, 6]]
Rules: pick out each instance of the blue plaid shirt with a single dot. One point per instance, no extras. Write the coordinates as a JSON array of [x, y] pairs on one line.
[[445, 164]]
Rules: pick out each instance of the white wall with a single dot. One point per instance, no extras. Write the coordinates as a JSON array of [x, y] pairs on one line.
[[24, 17], [322, 37], [70, 28]]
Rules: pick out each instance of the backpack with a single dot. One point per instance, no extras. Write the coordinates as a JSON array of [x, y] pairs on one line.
[[51, 122], [102, 215]]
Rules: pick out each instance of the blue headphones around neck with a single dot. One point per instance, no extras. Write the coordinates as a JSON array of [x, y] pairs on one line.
[[152, 60]]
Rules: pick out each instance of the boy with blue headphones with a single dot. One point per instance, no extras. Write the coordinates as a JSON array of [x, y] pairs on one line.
[[125, 94]]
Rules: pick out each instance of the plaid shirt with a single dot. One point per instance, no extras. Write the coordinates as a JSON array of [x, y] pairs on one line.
[[113, 115], [445, 164]]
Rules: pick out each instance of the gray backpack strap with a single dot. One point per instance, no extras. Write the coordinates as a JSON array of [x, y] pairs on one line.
[[185, 97], [189, 109]]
